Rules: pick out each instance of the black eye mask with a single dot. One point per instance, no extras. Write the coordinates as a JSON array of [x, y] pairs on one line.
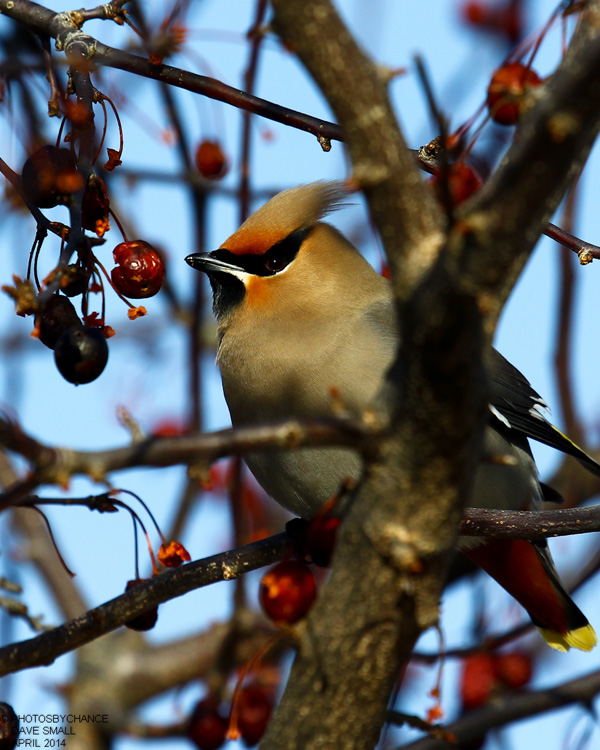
[[277, 257]]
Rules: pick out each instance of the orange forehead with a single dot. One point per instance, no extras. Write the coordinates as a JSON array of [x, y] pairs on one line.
[[252, 242]]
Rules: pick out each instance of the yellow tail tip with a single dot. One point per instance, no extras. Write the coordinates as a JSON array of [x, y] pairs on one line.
[[583, 638]]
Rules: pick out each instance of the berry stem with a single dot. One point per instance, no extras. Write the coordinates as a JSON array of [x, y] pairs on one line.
[[34, 254], [233, 732], [148, 511], [60, 131], [112, 213], [135, 516], [53, 540], [118, 119]]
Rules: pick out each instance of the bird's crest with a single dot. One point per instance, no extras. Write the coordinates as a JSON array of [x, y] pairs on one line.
[[300, 207]]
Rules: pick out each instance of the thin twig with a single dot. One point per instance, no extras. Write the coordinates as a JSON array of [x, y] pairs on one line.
[[256, 36], [585, 250], [509, 709], [563, 353]]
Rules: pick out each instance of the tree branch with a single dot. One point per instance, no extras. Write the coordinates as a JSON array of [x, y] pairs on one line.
[[531, 525], [394, 529], [64, 27], [55, 465], [512, 708], [404, 210], [401, 525], [45, 648], [553, 141]]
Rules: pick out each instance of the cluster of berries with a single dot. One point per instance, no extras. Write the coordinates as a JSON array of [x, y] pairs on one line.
[[50, 178]]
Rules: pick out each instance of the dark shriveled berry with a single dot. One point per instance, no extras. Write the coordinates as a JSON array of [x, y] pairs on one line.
[[9, 727], [95, 206], [75, 280], [81, 354], [146, 620], [57, 317], [254, 712], [207, 729], [50, 177]]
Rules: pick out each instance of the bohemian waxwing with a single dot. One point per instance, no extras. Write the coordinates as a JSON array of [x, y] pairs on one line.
[[301, 314]]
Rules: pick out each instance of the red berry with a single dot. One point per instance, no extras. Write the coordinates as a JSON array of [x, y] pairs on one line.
[[462, 181], [81, 354], [50, 177], [57, 317], [146, 620], [474, 13], [211, 160], [254, 711], [514, 669], [140, 270], [507, 89], [320, 539], [169, 427], [287, 591], [207, 728], [9, 727], [478, 680], [502, 19]]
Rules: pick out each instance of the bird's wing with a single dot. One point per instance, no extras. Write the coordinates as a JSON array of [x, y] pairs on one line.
[[515, 403]]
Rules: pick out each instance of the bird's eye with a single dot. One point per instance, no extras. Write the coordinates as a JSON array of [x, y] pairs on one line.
[[275, 263], [281, 254]]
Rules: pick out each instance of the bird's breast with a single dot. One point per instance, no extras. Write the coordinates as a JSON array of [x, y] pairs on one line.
[[300, 377]]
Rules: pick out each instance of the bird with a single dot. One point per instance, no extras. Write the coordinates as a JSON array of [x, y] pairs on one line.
[[303, 319]]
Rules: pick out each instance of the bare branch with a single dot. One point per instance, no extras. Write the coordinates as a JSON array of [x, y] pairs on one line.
[[512, 708], [586, 252], [531, 525], [44, 649], [53, 465], [64, 27]]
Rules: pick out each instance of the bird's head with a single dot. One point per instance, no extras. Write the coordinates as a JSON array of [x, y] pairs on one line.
[[283, 258]]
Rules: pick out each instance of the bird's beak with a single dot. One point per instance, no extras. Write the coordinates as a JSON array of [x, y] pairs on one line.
[[207, 263]]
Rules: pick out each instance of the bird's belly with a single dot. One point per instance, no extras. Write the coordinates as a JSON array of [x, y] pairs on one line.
[[303, 480]]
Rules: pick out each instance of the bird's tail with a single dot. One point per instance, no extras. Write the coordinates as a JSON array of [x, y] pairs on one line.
[[527, 572]]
